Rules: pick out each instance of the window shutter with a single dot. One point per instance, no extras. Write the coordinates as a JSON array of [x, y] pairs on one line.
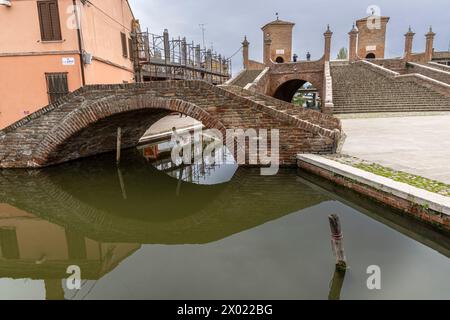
[[124, 44], [57, 86], [130, 48], [49, 20], [54, 18]]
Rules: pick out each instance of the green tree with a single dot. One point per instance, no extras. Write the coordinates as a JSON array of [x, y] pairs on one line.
[[343, 54]]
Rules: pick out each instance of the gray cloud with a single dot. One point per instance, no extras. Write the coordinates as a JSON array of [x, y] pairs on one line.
[[228, 21]]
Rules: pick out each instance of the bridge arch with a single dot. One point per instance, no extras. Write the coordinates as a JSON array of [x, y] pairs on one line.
[[287, 86], [92, 129]]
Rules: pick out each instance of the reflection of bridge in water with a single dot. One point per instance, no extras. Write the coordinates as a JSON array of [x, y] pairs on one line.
[[86, 196], [76, 214]]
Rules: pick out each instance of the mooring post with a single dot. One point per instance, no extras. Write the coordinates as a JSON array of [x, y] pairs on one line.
[[337, 242], [119, 144], [122, 184], [336, 284]]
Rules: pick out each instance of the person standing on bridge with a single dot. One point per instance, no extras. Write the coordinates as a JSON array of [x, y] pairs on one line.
[[308, 56]]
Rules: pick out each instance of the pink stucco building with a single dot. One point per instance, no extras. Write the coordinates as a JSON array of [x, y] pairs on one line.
[[51, 47]]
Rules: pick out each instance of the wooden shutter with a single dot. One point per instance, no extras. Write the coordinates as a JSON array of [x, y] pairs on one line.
[[123, 37], [49, 20], [57, 86], [130, 48]]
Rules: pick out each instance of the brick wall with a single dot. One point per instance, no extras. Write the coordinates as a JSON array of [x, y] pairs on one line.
[[438, 220]]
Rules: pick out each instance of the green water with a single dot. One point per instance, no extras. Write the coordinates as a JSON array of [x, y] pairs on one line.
[[153, 231]]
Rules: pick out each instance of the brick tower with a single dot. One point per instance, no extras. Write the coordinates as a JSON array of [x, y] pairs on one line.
[[277, 36], [372, 37]]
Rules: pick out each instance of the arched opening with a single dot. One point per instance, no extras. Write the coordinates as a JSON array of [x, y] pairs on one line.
[[370, 56], [299, 92], [149, 131], [279, 60], [178, 129]]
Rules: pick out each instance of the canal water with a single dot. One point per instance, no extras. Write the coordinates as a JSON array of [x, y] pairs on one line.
[[155, 230]]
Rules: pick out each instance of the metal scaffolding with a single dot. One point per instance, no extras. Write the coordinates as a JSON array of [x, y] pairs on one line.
[[157, 57]]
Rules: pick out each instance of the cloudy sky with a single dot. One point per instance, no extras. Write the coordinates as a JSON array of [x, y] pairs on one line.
[[227, 22]]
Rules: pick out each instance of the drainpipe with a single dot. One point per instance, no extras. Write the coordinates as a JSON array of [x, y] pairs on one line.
[[80, 43]]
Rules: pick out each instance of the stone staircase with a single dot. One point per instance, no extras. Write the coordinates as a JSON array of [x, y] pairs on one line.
[[246, 77], [357, 88]]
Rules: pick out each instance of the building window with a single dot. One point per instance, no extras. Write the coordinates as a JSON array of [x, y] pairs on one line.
[[130, 48], [57, 86], [49, 20], [123, 37]]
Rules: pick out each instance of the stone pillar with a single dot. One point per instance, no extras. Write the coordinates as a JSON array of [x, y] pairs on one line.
[[409, 37], [429, 47], [327, 52], [267, 45], [352, 50], [245, 45]]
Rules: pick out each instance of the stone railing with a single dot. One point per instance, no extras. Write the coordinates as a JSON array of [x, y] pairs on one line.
[[429, 71], [395, 64], [261, 82], [327, 104], [427, 82], [439, 66], [234, 79], [378, 69], [424, 81]]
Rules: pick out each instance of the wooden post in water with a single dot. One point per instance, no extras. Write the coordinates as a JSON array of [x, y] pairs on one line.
[[122, 184], [119, 144], [337, 242]]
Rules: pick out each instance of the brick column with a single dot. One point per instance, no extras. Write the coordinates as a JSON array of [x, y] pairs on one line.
[[409, 37], [245, 46], [327, 52], [267, 45], [429, 48], [352, 50]]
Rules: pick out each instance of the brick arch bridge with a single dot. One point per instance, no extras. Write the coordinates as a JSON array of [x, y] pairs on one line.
[[84, 123]]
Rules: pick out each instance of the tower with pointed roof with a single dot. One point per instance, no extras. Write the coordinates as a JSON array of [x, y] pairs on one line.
[[372, 36], [278, 34]]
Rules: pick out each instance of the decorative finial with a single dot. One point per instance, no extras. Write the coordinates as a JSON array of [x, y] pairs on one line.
[[328, 27], [278, 19], [431, 29], [409, 29]]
